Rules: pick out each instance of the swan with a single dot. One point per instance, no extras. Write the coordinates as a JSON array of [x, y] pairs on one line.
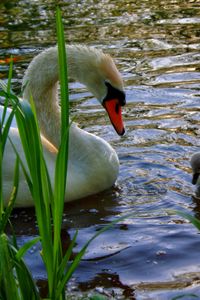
[[93, 164], [195, 164]]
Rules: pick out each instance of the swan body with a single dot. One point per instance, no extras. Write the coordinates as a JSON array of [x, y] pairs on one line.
[[92, 163]]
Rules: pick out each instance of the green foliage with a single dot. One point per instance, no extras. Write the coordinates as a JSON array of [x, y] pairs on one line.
[[48, 200], [4, 129], [15, 280]]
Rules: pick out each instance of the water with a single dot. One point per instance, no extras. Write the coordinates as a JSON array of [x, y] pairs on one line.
[[154, 254]]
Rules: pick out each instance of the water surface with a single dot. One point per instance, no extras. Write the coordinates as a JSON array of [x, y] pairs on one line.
[[152, 255]]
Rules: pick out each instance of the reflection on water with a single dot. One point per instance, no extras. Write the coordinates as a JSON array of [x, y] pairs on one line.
[[156, 47]]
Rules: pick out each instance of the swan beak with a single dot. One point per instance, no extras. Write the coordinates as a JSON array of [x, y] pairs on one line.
[[114, 111], [195, 178]]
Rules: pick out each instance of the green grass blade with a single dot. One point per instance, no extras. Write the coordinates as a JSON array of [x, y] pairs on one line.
[[1, 175], [8, 88], [6, 129], [22, 117], [67, 256], [190, 218], [63, 73], [13, 99], [46, 182], [62, 157], [60, 185], [39, 183], [26, 284], [9, 208], [20, 253], [8, 284], [10, 75], [28, 178], [31, 142], [1, 185]]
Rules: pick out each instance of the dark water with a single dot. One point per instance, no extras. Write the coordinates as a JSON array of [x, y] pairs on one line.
[[152, 255]]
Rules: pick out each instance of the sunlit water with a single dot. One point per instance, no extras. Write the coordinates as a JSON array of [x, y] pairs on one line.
[[152, 255]]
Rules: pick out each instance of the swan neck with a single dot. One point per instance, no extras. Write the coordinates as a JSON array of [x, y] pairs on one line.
[[40, 82]]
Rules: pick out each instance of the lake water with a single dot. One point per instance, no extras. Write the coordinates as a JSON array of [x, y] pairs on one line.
[[152, 255]]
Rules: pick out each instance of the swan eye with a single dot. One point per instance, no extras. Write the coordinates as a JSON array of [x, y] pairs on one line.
[[113, 93]]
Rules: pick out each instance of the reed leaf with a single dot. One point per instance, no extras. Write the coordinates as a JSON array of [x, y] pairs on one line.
[[20, 253], [26, 285], [5, 128], [16, 281], [63, 73], [24, 169], [8, 88], [192, 219], [8, 286], [32, 146], [62, 157], [66, 257], [9, 208]]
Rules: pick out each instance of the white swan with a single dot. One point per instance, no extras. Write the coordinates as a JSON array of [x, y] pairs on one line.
[[93, 163]]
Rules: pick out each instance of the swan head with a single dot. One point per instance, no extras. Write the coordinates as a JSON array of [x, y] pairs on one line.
[[99, 73], [111, 92], [112, 102], [87, 65], [195, 164]]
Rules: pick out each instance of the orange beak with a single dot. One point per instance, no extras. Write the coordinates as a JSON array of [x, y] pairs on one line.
[[114, 111]]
